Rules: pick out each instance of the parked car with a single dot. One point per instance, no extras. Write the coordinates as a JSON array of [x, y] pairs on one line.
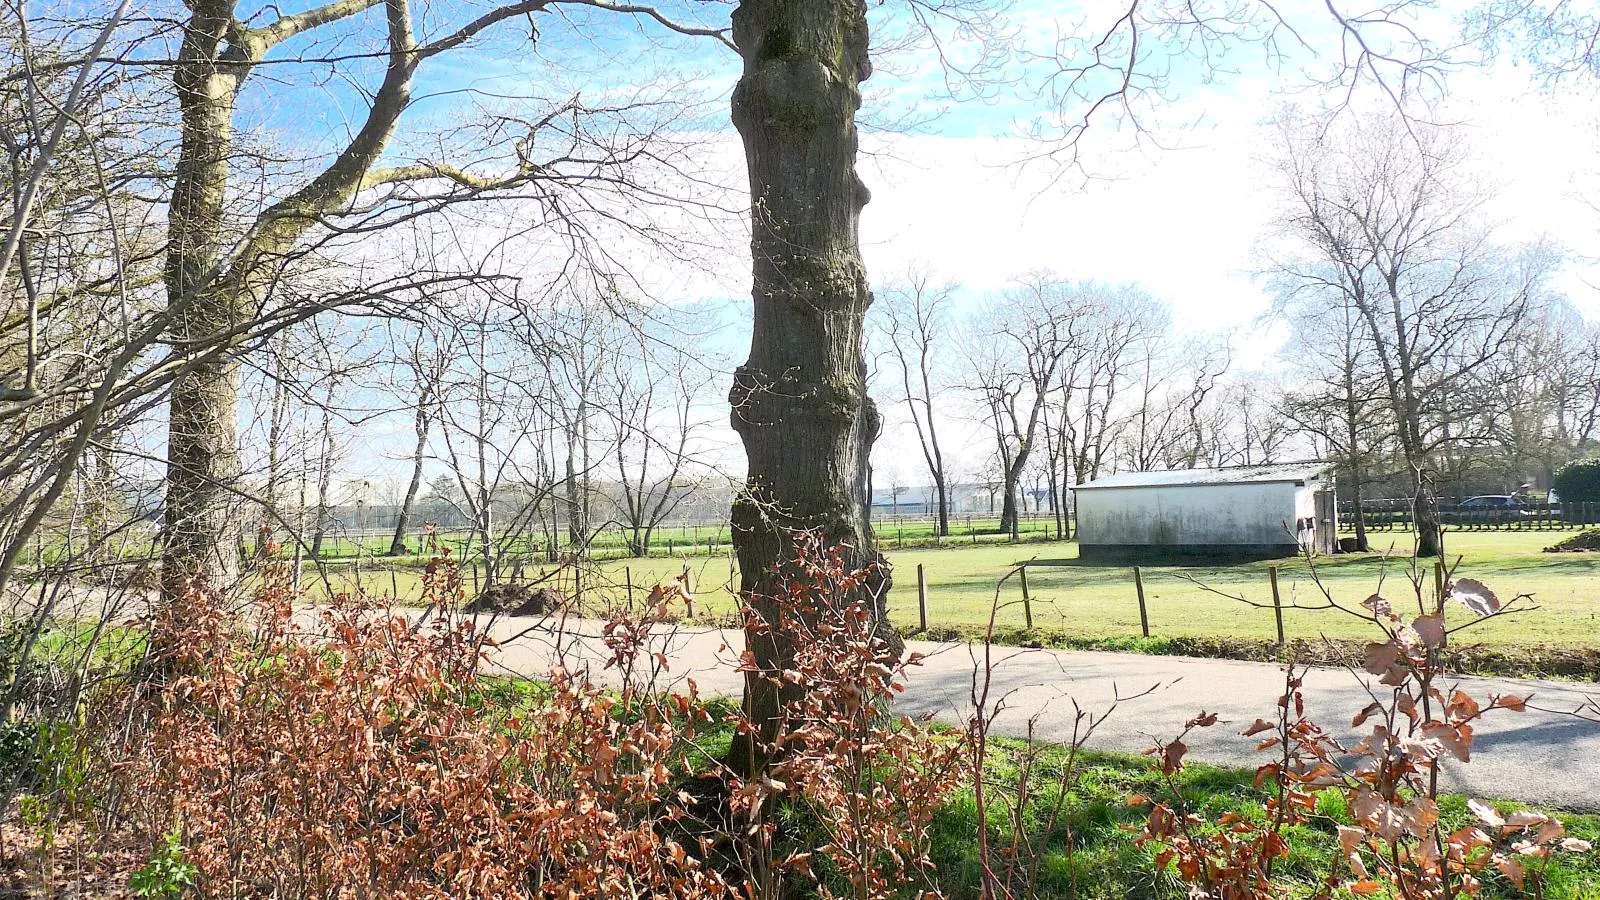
[[1487, 508]]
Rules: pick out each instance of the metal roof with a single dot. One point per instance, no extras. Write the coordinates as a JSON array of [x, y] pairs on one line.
[[1273, 474]]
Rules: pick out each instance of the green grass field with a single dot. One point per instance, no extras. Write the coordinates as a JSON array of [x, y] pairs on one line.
[[1101, 860], [700, 540], [1098, 602]]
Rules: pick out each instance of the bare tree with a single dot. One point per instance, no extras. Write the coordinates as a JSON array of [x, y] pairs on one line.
[[915, 316], [75, 273], [1090, 405], [1171, 421], [657, 392], [583, 353], [224, 265], [1339, 401], [1021, 344], [424, 363], [1387, 224], [1254, 429]]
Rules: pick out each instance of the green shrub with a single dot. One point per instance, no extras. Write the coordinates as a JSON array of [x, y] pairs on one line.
[[1579, 481], [167, 874]]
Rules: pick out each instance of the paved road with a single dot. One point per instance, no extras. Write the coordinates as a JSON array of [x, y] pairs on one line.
[[1538, 757]]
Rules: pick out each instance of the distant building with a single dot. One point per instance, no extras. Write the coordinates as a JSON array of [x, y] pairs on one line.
[[1240, 512]]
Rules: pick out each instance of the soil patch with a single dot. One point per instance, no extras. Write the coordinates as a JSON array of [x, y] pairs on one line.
[[1582, 542], [517, 600]]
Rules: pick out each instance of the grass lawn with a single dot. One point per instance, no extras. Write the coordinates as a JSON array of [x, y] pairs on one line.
[[1104, 863], [1099, 602]]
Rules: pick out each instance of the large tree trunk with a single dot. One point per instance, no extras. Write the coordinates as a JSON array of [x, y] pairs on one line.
[[1008, 504], [1011, 509], [799, 401], [202, 512], [1425, 513]]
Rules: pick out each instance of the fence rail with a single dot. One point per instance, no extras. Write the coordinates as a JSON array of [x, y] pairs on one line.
[[679, 538], [1395, 515]]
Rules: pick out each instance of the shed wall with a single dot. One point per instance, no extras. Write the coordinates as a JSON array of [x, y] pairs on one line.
[[1183, 517]]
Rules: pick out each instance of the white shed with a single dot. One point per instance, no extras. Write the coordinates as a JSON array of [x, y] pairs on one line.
[[1239, 512]]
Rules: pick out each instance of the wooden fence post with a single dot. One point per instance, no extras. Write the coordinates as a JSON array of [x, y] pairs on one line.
[[1277, 602], [1144, 617], [1027, 599], [922, 598]]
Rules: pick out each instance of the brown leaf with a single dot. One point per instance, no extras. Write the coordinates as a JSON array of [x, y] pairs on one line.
[[1419, 816], [1260, 726], [1381, 657], [1486, 814], [1462, 706], [1430, 629], [1512, 869], [1456, 738], [1475, 596], [1525, 819], [1515, 704], [1550, 832], [1172, 756], [1372, 709], [1380, 607]]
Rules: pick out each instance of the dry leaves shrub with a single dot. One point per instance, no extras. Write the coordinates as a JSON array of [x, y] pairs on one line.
[[346, 752], [1396, 844], [867, 783]]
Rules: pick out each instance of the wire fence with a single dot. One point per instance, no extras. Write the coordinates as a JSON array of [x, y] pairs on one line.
[[685, 539]]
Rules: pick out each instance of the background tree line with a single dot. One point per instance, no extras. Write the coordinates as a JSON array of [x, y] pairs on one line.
[[1423, 353]]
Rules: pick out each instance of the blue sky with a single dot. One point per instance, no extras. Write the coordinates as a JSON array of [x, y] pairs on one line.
[[1181, 210]]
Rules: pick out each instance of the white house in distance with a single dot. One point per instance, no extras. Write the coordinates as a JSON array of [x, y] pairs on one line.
[[1239, 512]]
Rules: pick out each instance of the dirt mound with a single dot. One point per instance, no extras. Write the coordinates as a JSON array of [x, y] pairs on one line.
[[517, 600], [1584, 541]]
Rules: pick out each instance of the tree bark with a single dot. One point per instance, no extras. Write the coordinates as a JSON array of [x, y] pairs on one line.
[[201, 517], [1008, 504], [397, 545], [1357, 473], [799, 401], [278, 418], [324, 477], [1425, 512]]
